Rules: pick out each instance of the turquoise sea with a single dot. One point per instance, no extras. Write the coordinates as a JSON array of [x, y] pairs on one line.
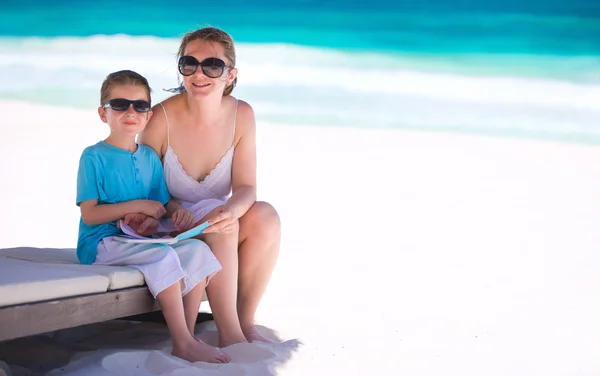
[[520, 68]]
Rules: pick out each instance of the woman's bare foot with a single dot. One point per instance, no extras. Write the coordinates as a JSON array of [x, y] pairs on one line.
[[228, 342], [198, 351], [252, 335]]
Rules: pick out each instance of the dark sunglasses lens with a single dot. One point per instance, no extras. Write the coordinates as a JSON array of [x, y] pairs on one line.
[[213, 67], [187, 65], [119, 104], [141, 106]]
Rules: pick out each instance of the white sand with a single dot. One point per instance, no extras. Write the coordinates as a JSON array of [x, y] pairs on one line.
[[404, 253]]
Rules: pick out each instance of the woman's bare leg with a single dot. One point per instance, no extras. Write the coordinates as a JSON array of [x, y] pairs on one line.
[[259, 239], [223, 287]]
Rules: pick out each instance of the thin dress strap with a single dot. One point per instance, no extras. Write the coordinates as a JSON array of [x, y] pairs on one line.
[[167, 119], [234, 120]]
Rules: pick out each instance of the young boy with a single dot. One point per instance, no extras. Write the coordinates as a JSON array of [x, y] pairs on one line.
[[119, 179]]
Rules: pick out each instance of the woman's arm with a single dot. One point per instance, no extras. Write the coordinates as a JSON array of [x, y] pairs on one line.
[[155, 133], [243, 173], [172, 206], [182, 218]]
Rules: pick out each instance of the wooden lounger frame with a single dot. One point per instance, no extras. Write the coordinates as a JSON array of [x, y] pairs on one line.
[[40, 317]]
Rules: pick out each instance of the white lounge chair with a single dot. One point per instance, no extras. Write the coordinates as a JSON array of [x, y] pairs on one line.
[[44, 289]]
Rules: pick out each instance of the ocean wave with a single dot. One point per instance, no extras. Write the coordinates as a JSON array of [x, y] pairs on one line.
[[289, 83]]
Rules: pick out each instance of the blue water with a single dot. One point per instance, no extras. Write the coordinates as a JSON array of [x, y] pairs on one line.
[[524, 68]]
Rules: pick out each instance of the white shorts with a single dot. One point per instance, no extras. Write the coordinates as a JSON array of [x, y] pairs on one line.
[[189, 261]]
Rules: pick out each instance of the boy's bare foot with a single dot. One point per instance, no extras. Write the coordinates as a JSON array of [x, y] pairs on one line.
[[198, 351], [252, 335]]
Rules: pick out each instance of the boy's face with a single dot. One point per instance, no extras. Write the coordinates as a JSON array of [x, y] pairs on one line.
[[129, 122]]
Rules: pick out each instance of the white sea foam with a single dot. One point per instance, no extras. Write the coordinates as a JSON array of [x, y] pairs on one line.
[[299, 84]]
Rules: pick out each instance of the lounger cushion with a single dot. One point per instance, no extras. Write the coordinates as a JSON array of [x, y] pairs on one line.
[[65, 258], [52, 255], [24, 282]]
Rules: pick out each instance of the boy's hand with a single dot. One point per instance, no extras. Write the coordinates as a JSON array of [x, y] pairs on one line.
[[151, 208], [183, 219], [148, 227], [142, 224]]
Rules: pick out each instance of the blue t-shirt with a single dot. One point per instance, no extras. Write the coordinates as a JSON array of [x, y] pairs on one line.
[[112, 175]]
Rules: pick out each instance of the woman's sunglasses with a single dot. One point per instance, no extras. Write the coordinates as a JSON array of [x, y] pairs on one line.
[[121, 104], [212, 67]]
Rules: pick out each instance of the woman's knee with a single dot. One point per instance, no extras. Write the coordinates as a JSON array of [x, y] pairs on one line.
[[261, 216]]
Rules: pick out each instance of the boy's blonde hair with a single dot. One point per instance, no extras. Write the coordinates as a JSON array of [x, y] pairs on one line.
[[121, 78]]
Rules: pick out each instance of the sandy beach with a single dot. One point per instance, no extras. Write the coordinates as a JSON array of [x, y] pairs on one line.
[[403, 253]]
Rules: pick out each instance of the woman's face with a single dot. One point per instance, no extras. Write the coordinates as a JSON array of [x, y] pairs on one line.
[[199, 84]]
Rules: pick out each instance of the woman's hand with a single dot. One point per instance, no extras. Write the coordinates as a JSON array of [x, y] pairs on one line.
[[183, 219], [223, 222]]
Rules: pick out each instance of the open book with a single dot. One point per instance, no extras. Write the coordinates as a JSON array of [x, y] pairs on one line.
[[133, 237]]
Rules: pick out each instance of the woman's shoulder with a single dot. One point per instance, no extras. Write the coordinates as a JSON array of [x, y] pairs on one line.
[[240, 103], [245, 124], [156, 131], [159, 114], [171, 101], [244, 111], [165, 105]]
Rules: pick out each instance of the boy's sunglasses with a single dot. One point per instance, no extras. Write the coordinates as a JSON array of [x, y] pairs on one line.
[[121, 104], [212, 67]]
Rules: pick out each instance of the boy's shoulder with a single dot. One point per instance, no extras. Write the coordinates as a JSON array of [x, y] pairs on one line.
[[103, 151], [93, 150]]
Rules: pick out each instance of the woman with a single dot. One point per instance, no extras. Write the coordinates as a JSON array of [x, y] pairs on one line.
[[207, 142]]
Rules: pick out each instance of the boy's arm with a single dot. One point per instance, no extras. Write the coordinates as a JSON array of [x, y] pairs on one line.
[[89, 178], [94, 214]]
